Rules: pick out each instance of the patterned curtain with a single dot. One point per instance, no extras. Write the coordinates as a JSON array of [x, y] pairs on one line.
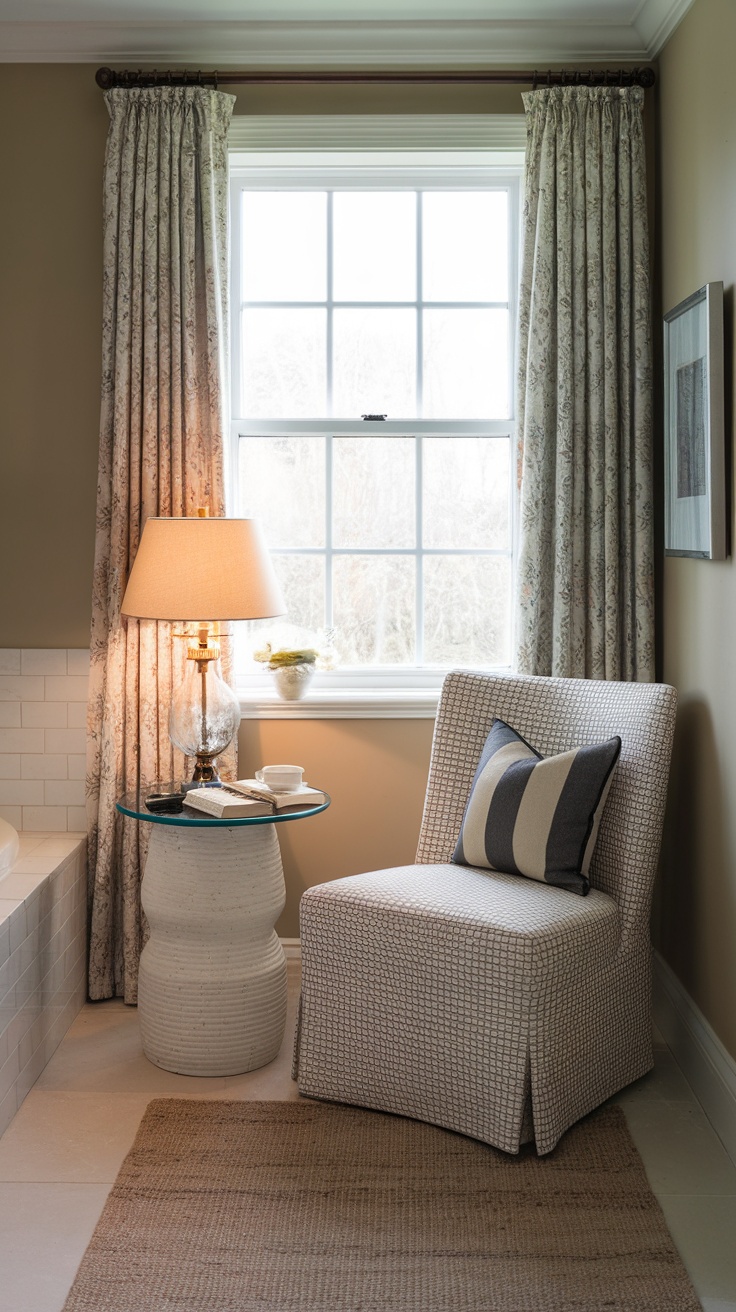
[[161, 453], [585, 599]]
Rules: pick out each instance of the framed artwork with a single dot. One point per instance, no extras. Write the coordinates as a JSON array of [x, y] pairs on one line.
[[694, 439]]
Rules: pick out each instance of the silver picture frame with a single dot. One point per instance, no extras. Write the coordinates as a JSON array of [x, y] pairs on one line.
[[694, 438]]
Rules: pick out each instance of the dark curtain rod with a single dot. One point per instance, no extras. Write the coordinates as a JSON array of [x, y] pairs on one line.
[[595, 77]]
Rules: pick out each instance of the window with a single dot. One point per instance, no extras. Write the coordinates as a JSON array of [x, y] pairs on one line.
[[380, 291]]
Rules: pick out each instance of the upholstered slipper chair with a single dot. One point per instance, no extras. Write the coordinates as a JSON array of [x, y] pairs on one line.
[[489, 1003]]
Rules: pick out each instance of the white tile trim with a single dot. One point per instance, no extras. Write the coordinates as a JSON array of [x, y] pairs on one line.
[[10, 660], [43, 660], [707, 1065]]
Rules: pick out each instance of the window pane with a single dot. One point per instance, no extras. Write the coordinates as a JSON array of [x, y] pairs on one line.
[[374, 368], [373, 492], [465, 246], [466, 364], [373, 609], [284, 363], [303, 581], [466, 610], [374, 236], [282, 483], [466, 492], [284, 246]]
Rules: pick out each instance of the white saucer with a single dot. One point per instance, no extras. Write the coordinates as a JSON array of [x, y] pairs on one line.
[[273, 789]]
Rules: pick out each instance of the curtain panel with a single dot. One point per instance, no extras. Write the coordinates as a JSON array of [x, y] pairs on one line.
[[162, 445], [585, 584]]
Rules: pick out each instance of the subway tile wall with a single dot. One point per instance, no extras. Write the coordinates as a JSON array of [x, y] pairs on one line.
[[43, 941], [43, 710]]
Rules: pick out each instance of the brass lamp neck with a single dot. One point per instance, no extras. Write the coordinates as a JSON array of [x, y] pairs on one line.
[[206, 648]]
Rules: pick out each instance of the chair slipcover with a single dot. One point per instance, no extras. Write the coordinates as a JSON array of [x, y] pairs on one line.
[[487, 1003]]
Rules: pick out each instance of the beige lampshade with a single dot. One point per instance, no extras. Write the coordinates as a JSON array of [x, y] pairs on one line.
[[202, 569]]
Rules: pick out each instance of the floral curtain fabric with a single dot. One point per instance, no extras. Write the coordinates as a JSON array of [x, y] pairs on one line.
[[161, 453], [585, 603]]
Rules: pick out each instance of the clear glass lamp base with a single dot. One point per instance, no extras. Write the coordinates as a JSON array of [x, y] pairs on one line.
[[204, 717]]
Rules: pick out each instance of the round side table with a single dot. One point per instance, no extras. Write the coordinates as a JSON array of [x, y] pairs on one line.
[[212, 979]]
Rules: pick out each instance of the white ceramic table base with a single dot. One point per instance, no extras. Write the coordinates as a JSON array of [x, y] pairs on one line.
[[212, 980]]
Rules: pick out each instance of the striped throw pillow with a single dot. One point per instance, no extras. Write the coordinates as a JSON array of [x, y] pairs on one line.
[[533, 815]]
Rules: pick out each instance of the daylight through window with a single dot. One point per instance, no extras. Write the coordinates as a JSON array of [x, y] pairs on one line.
[[356, 302]]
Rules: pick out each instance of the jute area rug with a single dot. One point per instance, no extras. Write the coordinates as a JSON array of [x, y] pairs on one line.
[[313, 1207]]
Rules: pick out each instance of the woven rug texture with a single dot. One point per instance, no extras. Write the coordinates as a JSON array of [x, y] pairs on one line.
[[315, 1207]]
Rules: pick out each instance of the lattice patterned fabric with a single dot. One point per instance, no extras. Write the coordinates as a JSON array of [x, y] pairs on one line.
[[479, 1001]]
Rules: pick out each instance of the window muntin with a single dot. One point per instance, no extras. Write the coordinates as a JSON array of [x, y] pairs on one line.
[[414, 570], [407, 596]]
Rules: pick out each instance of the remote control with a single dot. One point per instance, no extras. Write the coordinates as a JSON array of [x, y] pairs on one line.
[[168, 803]]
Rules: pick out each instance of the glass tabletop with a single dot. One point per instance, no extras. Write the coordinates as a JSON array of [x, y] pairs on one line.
[[134, 805]]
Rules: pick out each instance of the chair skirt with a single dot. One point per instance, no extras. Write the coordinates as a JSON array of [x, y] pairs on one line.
[[482, 1002]]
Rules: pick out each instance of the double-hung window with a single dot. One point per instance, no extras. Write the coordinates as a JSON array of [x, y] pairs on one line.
[[374, 322]]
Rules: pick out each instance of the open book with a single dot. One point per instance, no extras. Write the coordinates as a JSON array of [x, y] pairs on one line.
[[248, 797], [301, 796]]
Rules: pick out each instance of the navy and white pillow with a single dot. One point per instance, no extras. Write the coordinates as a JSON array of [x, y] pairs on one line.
[[533, 815]]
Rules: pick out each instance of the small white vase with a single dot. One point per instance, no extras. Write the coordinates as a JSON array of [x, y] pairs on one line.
[[292, 681]]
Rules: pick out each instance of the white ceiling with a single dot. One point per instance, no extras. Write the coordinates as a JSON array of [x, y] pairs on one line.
[[45, 11], [467, 33]]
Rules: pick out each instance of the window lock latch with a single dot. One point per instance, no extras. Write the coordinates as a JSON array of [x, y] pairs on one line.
[[374, 416]]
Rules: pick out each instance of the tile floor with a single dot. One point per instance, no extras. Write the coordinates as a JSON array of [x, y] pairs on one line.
[[62, 1152]]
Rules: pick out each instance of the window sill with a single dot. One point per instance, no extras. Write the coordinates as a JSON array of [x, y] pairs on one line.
[[344, 704]]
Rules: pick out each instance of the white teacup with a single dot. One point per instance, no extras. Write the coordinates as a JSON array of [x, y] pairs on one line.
[[281, 778]]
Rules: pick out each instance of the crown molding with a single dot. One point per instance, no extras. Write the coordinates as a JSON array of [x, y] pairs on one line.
[[485, 44], [656, 20]]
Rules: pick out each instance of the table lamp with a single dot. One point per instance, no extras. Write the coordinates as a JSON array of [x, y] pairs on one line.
[[186, 569]]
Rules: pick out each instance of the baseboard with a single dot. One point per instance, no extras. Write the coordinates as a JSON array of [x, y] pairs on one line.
[[292, 948], [707, 1066]]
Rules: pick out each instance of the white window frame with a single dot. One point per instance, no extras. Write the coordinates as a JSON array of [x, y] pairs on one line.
[[371, 692]]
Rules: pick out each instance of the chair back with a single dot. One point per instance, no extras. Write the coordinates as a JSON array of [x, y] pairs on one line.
[[555, 715]]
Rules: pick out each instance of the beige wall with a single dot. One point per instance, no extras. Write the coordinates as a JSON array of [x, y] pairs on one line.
[[53, 125], [696, 905], [52, 140], [375, 772]]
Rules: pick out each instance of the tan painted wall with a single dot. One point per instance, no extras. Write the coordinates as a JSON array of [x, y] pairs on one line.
[[53, 125], [375, 772], [52, 141], [696, 905]]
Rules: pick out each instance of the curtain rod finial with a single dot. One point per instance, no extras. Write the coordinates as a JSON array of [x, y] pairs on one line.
[[104, 78]]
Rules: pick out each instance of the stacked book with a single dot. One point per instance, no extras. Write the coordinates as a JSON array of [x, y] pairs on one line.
[[249, 797]]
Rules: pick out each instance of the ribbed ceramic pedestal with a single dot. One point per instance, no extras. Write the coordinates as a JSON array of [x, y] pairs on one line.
[[212, 980]]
